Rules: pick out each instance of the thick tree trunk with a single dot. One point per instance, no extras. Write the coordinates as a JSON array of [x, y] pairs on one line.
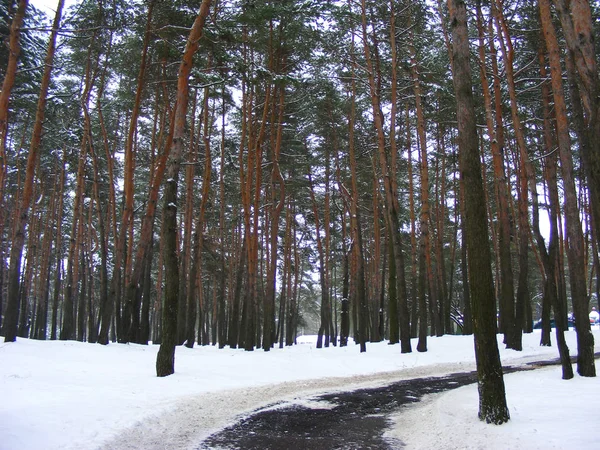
[[492, 397]]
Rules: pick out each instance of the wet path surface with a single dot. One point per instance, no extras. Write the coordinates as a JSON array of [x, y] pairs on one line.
[[348, 420], [345, 420]]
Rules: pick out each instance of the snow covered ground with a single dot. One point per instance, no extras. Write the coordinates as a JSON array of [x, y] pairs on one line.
[[71, 395]]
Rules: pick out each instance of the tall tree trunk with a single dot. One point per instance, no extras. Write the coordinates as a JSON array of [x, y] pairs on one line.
[[440, 211], [196, 268], [394, 325], [27, 309], [124, 252], [492, 397], [165, 359], [286, 282], [347, 201], [324, 324], [464, 267], [495, 134], [100, 217], [186, 324], [223, 323], [276, 208], [9, 329], [59, 251], [416, 316], [588, 152], [575, 245], [427, 252], [357, 245], [550, 257], [68, 327], [391, 202], [514, 327], [43, 279]]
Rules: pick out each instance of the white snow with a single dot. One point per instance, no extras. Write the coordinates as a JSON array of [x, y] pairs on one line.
[[71, 395]]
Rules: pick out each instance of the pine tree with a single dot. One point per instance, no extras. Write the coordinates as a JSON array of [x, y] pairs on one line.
[[492, 397]]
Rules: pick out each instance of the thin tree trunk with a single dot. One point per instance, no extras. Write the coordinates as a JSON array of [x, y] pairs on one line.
[[26, 309], [324, 324], [186, 314], [276, 208], [550, 257], [391, 202], [223, 323], [444, 297], [359, 278], [41, 316], [506, 281], [124, 252], [416, 316], [59, 251], [287, 276], [434, 301], [196, 267]]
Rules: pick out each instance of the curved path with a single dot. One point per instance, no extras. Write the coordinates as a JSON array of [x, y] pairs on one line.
[[193, 421]]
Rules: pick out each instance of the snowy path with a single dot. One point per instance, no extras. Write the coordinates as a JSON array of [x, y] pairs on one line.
[[72, 395], [186, 423]]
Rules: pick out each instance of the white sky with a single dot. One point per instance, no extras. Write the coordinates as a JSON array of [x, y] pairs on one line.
[[48, 6], [71, 395]]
